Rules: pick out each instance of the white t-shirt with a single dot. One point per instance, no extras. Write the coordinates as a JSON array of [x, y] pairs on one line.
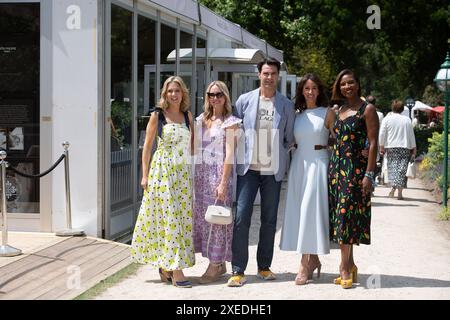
[[262, 149]]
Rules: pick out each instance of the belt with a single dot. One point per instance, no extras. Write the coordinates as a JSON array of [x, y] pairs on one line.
[[320, 147]]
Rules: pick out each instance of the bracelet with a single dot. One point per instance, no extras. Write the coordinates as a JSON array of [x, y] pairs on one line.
[[370, 175]]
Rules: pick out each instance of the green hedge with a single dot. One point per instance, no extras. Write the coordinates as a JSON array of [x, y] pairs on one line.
[[422, 136]]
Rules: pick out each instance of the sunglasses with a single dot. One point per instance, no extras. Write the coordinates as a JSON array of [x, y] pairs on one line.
[[218, 95]]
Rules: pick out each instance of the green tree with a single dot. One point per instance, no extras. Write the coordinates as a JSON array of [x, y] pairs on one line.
[[279, 22], [313, 60], [397, 60], [432, 96]]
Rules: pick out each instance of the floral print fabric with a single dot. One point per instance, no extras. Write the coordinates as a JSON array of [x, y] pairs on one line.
[[213, 241], [163, 233], [350, 210]]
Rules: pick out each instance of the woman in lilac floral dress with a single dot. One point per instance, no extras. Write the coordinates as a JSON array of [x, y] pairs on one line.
[[215, 143]]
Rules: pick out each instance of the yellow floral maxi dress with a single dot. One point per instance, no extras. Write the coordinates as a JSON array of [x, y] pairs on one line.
[[163, 233]]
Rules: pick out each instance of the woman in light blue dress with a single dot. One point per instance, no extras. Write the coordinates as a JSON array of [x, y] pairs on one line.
[[306, 219]]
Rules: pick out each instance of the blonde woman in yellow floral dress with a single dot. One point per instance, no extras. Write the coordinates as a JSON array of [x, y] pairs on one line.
[[162, 236]]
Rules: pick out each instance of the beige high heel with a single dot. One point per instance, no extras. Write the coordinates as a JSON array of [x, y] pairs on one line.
[[303, 276], [318, 266]]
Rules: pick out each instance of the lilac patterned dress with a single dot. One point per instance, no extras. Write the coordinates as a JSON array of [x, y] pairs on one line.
[[214, 243]]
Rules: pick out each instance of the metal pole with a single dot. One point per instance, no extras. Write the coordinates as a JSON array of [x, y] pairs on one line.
[[67, 183], [69, 231], [4, 214], [445, 186], [5, 249]]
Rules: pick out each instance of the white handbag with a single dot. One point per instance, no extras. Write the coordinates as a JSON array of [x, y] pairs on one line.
[[218, 214], [411, 171]]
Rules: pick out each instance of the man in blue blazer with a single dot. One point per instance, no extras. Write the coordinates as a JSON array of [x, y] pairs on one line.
[[262, 159]]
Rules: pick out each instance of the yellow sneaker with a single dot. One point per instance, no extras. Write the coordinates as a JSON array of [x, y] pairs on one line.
[[266, 274], [236, 280]]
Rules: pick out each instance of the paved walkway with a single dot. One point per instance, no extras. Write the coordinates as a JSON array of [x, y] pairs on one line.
[[409, 258]]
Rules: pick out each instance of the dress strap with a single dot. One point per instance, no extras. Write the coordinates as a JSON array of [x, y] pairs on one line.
[[186, 118], [161, 120], [363, 107]]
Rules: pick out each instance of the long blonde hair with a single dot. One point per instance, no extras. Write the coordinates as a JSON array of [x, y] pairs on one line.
[[185, 103], [209, 108]]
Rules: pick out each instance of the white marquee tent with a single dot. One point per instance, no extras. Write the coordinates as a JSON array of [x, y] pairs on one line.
[[418, 106], [421, 106]]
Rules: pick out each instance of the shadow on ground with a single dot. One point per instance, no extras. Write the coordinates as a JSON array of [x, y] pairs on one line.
[[367, 281]]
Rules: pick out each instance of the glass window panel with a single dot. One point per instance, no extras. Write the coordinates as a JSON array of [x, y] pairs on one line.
[[146, 85], [121, 107], [146, 57], [201, 79], [19, 102], [186, 64], [168, 45], [185, 40], [201, 43]]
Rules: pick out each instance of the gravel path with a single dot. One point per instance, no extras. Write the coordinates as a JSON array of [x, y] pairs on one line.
[[409, 258]]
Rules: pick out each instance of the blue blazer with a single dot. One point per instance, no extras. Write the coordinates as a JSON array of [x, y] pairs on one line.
[[247, 109]]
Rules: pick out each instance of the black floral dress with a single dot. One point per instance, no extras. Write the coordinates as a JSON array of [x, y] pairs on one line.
[[349, 208]]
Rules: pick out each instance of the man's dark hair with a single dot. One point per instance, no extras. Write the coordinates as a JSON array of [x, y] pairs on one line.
[[270, 62]]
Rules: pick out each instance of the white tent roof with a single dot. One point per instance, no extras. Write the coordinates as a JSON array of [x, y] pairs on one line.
[[228, 54], [405, 112], [421, 106]]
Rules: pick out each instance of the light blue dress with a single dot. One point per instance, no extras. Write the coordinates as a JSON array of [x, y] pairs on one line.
[[306, 218]]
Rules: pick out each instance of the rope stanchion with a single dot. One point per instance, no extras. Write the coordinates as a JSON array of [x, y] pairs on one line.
[[40, 175], [5, 249], [68, 232]]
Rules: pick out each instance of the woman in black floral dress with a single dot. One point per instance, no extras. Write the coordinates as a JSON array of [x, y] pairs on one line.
[[355, 126]]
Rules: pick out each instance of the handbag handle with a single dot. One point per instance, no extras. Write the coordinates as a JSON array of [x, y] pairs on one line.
[[217, 199]]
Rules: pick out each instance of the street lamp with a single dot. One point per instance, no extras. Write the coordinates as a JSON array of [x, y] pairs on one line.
[[410, 104], [442, 80]]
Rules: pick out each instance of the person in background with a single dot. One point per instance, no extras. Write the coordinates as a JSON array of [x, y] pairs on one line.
[[162, 235], [351, 174], [215, 144], [378, 169], [306, 218], [398, 142], [372, 100], [262, 158]]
